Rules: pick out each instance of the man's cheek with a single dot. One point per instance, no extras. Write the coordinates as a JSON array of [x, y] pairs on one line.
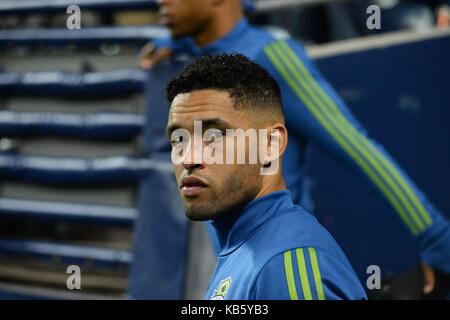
[[177, 171]]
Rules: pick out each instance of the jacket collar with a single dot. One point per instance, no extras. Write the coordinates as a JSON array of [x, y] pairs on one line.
[[233, 230]]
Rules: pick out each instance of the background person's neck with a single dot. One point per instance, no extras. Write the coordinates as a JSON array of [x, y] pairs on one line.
[[219, 26]]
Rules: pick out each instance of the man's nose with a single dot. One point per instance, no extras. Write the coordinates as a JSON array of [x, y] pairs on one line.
[[163, 2], [193, 157]]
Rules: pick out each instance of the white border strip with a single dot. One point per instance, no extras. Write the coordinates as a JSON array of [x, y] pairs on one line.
[[271, 5], [373, 42]]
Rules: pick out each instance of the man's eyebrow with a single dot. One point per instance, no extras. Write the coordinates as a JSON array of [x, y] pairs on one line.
[[171, 129], [216, 122], [206, 123]]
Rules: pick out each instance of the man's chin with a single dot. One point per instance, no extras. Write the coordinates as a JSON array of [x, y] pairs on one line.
[[198, 216], [200, 211], [176, 33], [195, 217]]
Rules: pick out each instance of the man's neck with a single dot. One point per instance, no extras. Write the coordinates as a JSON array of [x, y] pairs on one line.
[[218, 26], [272, 184]]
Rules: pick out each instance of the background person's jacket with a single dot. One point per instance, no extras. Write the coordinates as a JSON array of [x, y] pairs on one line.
[[315, 113]]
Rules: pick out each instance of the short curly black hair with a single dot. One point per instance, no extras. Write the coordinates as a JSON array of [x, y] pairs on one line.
[[249, 85]]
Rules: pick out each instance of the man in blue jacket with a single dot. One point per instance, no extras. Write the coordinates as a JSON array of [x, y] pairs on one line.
[[269, 248], [314, 114]]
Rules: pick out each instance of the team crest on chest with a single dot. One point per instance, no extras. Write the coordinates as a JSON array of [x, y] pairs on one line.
[[222, 290]]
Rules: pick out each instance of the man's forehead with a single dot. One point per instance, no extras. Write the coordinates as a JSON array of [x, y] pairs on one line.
[[198, 105], [185, 102], [207, 106]]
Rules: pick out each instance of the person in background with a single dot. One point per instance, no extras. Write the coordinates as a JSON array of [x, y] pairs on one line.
[[314, 114]]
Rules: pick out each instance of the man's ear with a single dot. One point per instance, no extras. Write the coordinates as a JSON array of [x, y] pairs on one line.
[[272, 148], [278, 139]]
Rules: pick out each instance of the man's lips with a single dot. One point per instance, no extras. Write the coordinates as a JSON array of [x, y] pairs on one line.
[[166, 19], [192, 186]]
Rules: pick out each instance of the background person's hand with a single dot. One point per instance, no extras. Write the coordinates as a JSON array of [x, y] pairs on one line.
[[151, 56], [429, 278], [421, 283], [436, 285]]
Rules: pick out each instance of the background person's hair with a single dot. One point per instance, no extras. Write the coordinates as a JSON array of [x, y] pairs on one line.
[[249, 85]]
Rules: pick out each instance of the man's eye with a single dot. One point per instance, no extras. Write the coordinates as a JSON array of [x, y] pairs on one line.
[[217, 135], [214, 135], [176, 140]]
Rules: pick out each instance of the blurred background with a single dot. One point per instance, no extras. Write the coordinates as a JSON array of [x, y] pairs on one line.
[[85, 177]]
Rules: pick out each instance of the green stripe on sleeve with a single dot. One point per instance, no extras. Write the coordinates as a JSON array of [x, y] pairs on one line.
[[274, 56], [333, 108], [303, 274], [344, 127], [316, 273], [277, 55], [290, 275]]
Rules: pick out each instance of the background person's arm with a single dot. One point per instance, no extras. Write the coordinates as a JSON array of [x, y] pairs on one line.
[[156, 51], [151, 55], [314, 110]]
